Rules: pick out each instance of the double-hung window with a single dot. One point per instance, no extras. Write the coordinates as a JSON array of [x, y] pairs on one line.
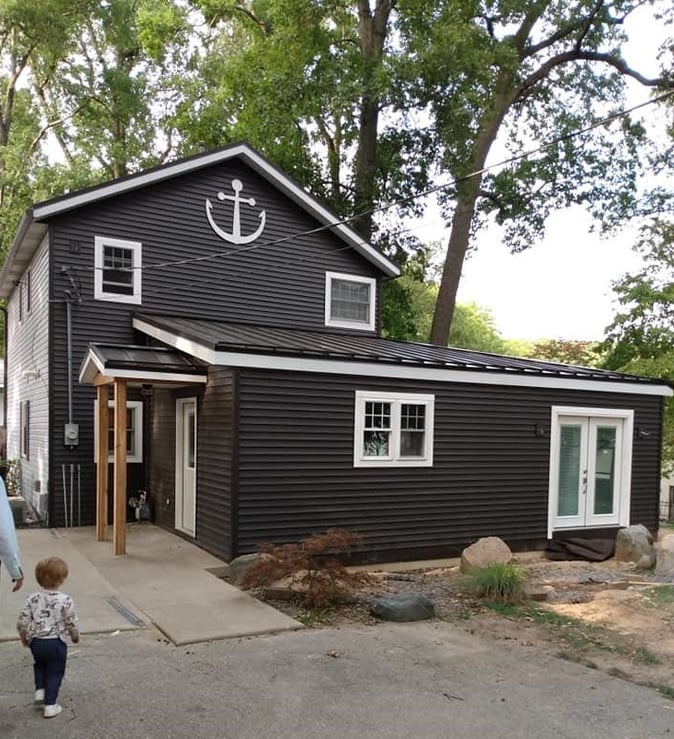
[[118, 273], [134, 431], [349, 301], [393, 430]]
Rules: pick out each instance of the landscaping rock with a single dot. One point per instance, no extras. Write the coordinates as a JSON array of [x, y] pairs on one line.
[[664, 567], [239, 566], [407, 607], [483, 553], [635, 544]]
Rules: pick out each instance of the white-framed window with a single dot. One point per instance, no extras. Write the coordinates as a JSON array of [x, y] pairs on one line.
[[350, 301], [117, 273], [29, 292], [393, 430], [134, 430], [24, 424]]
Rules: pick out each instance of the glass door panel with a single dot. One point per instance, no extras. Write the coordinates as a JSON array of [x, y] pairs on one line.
[[588, 472]]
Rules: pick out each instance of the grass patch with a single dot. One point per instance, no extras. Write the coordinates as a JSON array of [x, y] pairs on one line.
[[617, 672], [659, 597], [500, 582], [646, 657], [666, 690]]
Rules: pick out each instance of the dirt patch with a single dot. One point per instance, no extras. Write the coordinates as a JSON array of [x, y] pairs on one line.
[[605, 615]]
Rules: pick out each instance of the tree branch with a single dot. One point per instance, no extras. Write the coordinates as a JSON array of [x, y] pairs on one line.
[[588, 56]]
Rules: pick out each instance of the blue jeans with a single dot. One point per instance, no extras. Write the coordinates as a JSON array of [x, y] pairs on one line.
[[49, 666]]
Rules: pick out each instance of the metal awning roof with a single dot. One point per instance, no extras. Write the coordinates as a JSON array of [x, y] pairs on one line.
[[142, 364]]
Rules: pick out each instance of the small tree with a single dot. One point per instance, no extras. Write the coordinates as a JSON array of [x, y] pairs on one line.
[[314, 563]]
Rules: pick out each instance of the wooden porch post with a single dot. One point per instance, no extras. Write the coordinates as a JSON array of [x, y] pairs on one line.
[[119, 519], [103, 394]]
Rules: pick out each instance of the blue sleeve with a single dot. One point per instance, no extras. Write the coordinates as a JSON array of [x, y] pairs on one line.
[[9, 547]]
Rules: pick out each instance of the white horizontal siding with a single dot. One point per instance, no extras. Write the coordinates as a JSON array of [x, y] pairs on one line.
[[28, 377]]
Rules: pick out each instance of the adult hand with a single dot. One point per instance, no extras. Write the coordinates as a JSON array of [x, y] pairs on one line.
[[16, 584]]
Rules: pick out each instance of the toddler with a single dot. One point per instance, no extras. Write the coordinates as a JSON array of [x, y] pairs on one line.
[[43, 624]]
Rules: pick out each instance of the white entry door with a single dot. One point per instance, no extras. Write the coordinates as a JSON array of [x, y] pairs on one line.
[[590, 470], [186, 465]]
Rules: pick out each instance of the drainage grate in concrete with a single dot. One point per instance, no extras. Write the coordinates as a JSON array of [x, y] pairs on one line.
[[124, 611]]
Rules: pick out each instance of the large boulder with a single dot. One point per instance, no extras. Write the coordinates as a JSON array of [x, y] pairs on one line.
[[406, 607], [664, 566], [484, 552], [239, 566], [635, 544]]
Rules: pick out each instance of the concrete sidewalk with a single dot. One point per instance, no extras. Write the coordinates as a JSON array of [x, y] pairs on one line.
[[162, 581]]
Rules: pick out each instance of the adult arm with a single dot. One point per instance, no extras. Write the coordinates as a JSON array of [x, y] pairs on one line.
[[9, 547]]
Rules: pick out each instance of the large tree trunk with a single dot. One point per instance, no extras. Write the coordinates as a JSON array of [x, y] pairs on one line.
[[372, 27], [468, 193]]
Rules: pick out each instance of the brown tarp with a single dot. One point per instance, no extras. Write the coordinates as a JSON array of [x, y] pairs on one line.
[[592, 550]]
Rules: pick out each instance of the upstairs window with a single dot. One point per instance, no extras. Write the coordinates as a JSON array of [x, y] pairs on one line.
[[349, 301], [393, 430], [117, 270]]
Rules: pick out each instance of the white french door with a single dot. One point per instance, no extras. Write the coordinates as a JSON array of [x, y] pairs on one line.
[[590, 468], [186, 465]]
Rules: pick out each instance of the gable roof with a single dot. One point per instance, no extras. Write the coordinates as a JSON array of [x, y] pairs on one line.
[[244, 345], [33, 229], [140, 363]]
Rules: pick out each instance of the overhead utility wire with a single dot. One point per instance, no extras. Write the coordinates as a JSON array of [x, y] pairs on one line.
[[422, 194]]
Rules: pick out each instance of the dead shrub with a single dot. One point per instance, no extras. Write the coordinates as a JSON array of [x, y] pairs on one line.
[[319, 578]]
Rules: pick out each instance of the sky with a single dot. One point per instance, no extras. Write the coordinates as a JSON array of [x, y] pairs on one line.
[[561, 287]]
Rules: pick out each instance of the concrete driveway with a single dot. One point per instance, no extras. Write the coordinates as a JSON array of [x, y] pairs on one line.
[[393, 681], [163, 581]]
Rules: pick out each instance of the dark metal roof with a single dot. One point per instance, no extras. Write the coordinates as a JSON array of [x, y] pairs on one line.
[[253, 339], [148, 360]]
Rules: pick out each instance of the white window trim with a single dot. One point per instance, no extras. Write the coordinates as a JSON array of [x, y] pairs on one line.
[[137, 406], [396, 399], [340, 323], [99, 294], [627, 416]]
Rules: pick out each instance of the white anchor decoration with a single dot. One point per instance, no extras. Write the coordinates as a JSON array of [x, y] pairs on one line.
[[235, 237]]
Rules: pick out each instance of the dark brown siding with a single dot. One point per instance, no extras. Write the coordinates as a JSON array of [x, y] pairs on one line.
[[215, 464], [489, 477], [278, 280], [162, 457]]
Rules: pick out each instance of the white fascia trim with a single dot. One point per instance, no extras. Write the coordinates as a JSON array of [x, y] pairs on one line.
[[93, 366], [258, 163], [393, 371], [184, 345], [155, 376]]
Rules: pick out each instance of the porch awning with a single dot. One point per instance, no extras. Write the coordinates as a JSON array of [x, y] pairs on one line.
[[139, 364]]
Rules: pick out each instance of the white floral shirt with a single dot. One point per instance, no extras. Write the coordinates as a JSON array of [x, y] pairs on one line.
[[48, 614]]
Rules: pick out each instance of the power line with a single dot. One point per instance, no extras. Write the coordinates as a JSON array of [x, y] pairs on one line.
[[401, 201]]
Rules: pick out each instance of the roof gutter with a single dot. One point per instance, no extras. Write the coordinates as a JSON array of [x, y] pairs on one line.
[[26, 223]]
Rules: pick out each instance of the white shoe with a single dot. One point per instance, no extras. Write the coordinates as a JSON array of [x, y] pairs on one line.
[[51, 711], [39, 697]]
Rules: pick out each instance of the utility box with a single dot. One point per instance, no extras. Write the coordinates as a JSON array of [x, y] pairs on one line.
[[71, 434]]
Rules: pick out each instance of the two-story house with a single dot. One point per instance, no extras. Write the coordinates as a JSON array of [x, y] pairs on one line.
[[236, 321]]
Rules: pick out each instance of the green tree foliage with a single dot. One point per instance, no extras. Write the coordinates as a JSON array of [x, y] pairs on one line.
[[25, 37], [111, 97], [566, 351], [311, 84], [640, 340], [522, 73]]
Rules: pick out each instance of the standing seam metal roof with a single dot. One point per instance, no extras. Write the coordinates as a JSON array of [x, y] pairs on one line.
[[254, 339]]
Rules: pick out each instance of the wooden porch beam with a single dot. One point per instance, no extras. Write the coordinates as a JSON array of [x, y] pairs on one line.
[[119, 518], [103, 394]]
